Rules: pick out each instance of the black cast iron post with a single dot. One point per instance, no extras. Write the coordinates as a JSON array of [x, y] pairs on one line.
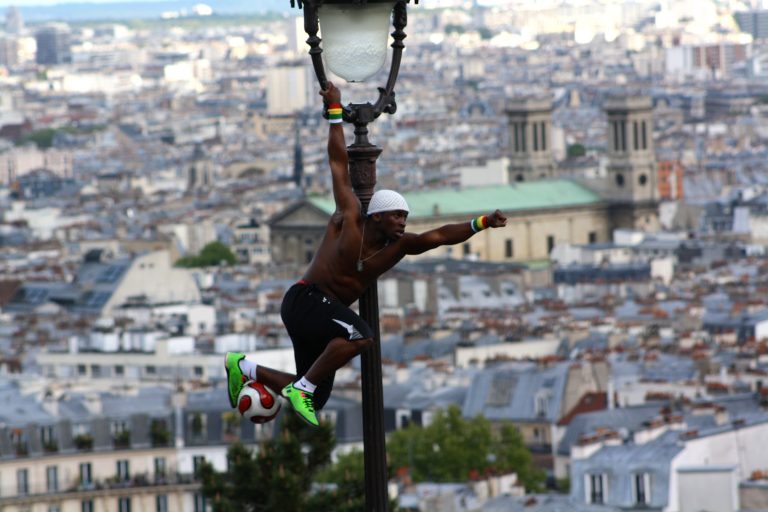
[[362, 172]]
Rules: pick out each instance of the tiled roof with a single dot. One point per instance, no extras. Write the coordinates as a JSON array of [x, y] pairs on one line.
[[509, 391], [536, 195]]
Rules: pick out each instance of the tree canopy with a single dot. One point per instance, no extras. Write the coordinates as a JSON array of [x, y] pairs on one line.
[[277, 477], [344, 489], [280, 473], [576, 150], [212, 254], [454, 449]]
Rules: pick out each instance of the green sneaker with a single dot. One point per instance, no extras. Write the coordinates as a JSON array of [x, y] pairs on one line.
[[301, 401], [235, 377]]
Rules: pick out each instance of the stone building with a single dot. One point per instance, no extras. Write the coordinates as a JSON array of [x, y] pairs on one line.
[[540, 215], [543, 211]]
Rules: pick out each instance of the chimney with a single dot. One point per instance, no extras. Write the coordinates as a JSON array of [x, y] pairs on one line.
[[610, 392], [92, 402]]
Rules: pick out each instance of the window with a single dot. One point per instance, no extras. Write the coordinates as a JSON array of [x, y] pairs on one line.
[[402, 418], [619, 180], [124, 504], [151, 370], [54, 508], [85, 473], [52, 478], [123, 472], [46, 435], [119, 426], [509, 248], [643, 179], [22, 482], [465, 249], [199, 502], [616, 145], [159, 467], [623, 133], [119, 370], [197, 462], [641, 484], [636, 135], [596, 488], [543, 136], [592, 237], [17, 437], [535, 127], [86, 506], [644, 135], [523, 129], [516, 137], [81, 369], [197, 426], [161, 503], [550, 243], [541, 403]]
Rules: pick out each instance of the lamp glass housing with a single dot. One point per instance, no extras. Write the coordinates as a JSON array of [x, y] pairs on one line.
[[355, 38]]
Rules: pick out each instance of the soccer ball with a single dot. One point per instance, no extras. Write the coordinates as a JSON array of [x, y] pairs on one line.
[[257, 402]]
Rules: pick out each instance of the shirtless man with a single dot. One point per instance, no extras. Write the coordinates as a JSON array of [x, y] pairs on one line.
[[356, 249]]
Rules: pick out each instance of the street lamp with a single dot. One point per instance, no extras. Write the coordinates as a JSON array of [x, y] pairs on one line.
[[354, 45]]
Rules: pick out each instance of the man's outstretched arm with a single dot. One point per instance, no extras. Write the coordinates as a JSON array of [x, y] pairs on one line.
[[346, 201], [451, 234]]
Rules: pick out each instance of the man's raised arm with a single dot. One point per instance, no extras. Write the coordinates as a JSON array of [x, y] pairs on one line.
[[346, 201], [452, 234]]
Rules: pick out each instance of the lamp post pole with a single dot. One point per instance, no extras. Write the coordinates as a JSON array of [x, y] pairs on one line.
[[362, 172]]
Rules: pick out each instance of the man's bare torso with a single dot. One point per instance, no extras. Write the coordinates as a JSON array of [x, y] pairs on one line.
[[334, 267]]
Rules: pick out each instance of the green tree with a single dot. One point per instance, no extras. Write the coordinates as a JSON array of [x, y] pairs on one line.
[[512, 455], [485, 33], [454, 449], [345, 485], [576, 150], [43, 139], [212, 254], [276, 477]]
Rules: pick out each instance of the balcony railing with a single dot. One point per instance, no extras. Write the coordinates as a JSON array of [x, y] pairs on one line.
[[141, 483]]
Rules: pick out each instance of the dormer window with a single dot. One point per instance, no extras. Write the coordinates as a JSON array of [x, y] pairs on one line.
[[641, 488], [596, 488], [541, 403]]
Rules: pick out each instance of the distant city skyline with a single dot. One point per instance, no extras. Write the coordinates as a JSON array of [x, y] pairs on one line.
[[35, 3], [279, 5], [258, 4]]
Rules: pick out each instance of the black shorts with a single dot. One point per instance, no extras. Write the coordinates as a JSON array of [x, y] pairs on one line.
[[313, 319]]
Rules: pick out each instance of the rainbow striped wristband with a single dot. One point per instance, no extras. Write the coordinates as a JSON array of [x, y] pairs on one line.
[[335, 113], [479, 223]]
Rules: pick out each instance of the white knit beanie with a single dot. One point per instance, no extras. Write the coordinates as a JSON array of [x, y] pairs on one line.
[[387, 201]]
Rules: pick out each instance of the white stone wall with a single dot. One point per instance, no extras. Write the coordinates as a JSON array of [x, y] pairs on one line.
[[744, 448], [152, 275]]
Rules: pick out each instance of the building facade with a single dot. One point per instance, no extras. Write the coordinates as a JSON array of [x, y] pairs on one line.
[[53, 45], [530, 139], [540, 215]]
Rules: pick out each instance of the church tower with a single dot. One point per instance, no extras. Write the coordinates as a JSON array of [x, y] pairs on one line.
[[632, 176], [200, 171], [530, 139]]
